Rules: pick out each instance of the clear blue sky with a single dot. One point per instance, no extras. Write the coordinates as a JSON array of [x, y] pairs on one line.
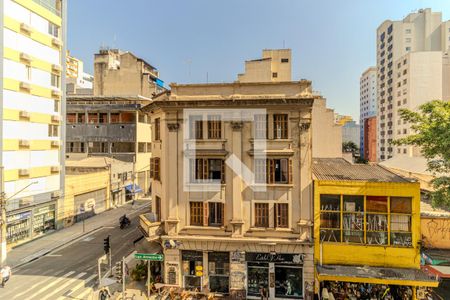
[[333, 42]]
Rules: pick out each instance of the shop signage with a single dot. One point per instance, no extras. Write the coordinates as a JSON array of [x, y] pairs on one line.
[[199, 268], [275, 257], [43, 210], [238, 257], [19, 216], [148, 256], [199, 273]]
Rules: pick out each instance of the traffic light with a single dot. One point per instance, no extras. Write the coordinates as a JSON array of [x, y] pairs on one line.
[[118, 271], [106, 245]]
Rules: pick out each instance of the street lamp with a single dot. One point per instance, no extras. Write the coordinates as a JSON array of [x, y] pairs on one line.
[[3, 214]]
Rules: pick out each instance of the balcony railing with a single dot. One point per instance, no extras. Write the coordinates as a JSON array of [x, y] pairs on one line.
[[150, 226], [51, 5]]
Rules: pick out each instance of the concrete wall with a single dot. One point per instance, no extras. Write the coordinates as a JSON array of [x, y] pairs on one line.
[[81, 183], [270, 68], [436, 232], [327, 136]]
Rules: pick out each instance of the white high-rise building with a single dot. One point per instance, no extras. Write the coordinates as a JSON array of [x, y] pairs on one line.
[[422, 31], [32, 105], [367, 101]]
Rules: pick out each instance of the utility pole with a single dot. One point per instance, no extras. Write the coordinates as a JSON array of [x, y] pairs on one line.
[[134, 178], [123, 277], [3, 217]]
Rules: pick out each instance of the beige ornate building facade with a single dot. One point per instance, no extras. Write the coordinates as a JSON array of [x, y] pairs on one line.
[[232, 189]]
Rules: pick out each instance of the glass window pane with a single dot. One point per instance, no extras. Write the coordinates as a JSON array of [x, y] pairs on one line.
[[288, 282], [401, 223], [377, 238], [354, 236], [330, 220], [401, 205], [376, 222], [330, 202], [376, 204], [328, 235], [401, 239], [353, 203]]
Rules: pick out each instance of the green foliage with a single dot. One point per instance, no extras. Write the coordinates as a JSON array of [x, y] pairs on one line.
[[431, 124], [349, 147], [139, 272]]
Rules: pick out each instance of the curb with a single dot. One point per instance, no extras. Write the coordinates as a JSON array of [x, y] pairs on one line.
[[44, 252]]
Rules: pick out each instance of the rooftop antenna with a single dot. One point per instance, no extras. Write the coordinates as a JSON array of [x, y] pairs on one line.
[[114, 41], [207, 79], [284, 46], [189, 62]]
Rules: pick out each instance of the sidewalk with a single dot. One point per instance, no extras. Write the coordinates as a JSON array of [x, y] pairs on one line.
[[41, 246]]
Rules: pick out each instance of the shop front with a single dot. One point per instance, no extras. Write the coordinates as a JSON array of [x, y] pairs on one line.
[[354, 282], [276, 275], [29, 223]]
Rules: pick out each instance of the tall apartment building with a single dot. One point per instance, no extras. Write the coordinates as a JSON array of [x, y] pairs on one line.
[[422, 31], [367, 105], [274, 66], [121, 73], [32, 103], [77, 81]]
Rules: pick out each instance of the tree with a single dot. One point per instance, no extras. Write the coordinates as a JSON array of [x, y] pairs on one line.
[[349, 147], [431, 127]]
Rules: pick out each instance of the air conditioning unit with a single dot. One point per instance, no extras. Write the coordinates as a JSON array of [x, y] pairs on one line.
[[25, 85], [56, 93], [56, 68], [25, 27], [55, 118], [24, 114], [56, 42], [55, 143], [54, 169], [24, 172], [24, 143], [24, 56]]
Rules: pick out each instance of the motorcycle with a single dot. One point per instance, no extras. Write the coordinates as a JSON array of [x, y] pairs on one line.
[[124, 222]]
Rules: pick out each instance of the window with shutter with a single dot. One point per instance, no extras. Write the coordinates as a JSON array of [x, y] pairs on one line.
[[196, 213], [260, 171], [215, 214], [214, 127], [157, 168], [280, 126], [158, 208], [262, 215], [281, 215], [157, 129], [261, 128], [205, 213], [152, 167]]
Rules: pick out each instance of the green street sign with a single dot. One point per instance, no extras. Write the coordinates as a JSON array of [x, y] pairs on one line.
[[148, 256]]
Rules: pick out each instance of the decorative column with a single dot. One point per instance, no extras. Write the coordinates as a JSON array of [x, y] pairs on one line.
[[236, 144], [171, 178]]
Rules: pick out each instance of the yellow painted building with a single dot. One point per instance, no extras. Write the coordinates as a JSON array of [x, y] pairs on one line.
[[87, 193], [367, 231]]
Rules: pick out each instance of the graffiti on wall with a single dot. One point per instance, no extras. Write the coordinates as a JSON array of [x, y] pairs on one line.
[[436, 232]]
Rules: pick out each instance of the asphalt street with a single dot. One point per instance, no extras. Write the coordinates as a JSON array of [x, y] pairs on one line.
[[71, 272]]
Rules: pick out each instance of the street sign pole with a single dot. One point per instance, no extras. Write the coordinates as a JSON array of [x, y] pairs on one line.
[[148, 279], [123, 277]]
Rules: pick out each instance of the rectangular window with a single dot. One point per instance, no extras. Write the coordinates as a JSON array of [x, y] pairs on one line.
[[274, 75], [55, 81], [204, 169], [141, 147], [195, 127], [155, 168], [353, 219], [215, 214], [56, 106], [280, 126], [52, 130], [196, 213], [401, 214], [219, 271], [273, 171], [157, 130], [285, 60], [114, 118], [376, 220], [281, 215], [214, 127], [71, 118], [158, 208], [103, 118], [261, 126], [92, 118], [330, 221], [81, 118], [262, 215], [53, 29]]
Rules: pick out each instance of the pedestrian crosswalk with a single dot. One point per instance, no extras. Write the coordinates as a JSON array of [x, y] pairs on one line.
[[48, 285]]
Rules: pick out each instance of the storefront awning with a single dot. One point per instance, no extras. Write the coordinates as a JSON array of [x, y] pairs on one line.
[[375, 275], [137, 189], [439, 271]]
